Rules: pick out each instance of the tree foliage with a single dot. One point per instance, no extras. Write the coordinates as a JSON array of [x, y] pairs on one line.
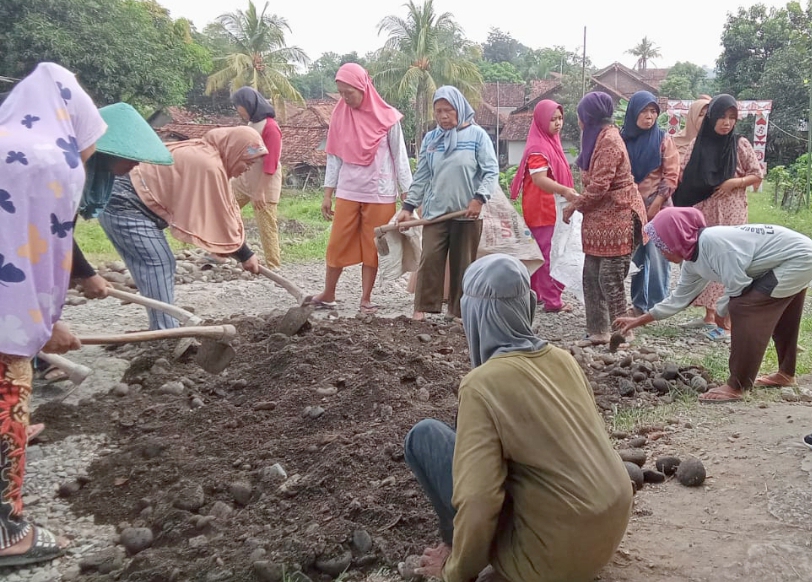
[[255, 54], [686, 81], [319, 80], [501, 72], [121, 50], [500, 47], [645, 51], [424, 51]]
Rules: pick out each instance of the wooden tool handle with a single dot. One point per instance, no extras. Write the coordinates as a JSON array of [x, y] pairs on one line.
[[185, 317], [76, 372], [287, 285], [419, 222], [217, 332]]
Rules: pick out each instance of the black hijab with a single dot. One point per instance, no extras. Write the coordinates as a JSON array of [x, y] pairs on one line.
[[255, 104], [713, 159]]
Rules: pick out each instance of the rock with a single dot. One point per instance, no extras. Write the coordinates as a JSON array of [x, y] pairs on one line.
[[608, 359], [699, 384], [269, 405], [635, 456], [103, 562], [198, 542], [625, 362], [635, 474], [314, 411], [424, 338], [667, 465], [661, 386], [423, 395], [626, 387], [68, 489], [117, 266], [639, 376], [121, 389], [691, 472], [257, 555], [670, 371], [619, 435], [615, 341], [327, 391], [241, 492], [172, 388], [788, 394], [220, 510], [650, 476], [190, 498], [638, 442], [196, 403], [275, 471], [407, 568], [136, 539], [265, 571], [361, 541], [334, 566]]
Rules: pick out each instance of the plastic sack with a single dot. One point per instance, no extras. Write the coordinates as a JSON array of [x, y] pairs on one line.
[[566, 251], [504, 231], [404, 252]]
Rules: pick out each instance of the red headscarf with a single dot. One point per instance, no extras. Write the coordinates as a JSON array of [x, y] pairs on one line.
[[541, 141], [676, 230], [354, 134]]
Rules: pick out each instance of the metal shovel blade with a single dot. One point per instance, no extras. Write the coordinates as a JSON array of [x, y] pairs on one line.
[[214, 357]]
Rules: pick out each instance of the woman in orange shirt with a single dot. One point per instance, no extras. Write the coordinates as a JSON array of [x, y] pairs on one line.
[[544, 172]]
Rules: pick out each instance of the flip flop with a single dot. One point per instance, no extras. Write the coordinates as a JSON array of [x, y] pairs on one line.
[[320, 304], [808, 440], [726, 397], [767, 381], [369, 309], [34, 430], [44, 548], [717, 334]]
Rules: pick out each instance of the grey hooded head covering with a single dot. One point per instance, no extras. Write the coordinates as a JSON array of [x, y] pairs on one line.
[[498, 308], [465, 115]]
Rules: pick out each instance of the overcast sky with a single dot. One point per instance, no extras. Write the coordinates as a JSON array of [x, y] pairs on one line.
[[687, 30]]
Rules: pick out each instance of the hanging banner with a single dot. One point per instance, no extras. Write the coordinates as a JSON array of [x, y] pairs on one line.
[[678, 108]]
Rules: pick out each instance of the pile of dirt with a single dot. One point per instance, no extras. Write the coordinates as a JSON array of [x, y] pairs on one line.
[[293, 457], [201, 459]]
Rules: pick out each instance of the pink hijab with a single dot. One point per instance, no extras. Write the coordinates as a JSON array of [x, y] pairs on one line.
[[676, 230], [541, 141], [354, 134]]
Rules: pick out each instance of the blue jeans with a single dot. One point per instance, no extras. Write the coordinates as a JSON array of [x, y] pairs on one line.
[[429, 452], [142, 244], [650, 284]]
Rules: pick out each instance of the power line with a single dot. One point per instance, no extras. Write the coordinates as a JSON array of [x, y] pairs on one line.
[[800, 139]]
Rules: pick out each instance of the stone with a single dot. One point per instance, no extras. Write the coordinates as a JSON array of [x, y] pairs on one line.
[[635, 474], [314, 411], [196, 403], [670, 371], [120, 390], [788, 394], [661, 386], [638, 442], [136, 539], [266, 571], [667, 465], [172, 388], [221, 510], [68, 489], [639, 376], [104, 562], [691, 472], [423, 395], [198, 542], [699, 384], [269, 405], [635, 456], [625, 387], [190, 498], [650, 476], [407, 568], [361, 541], [334, 565], [424, 338], [241, 492]]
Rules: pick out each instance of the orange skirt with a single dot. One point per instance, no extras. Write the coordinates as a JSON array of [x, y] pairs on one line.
[[352, 238]]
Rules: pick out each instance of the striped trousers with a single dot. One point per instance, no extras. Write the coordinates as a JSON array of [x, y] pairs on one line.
[[140, 241]]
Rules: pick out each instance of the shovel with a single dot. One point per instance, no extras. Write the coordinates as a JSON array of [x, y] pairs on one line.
[[213, 355], [380, 232], [286, 284], [76, 372]]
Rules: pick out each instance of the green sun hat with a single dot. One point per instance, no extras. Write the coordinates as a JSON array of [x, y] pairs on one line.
[[129, 136]]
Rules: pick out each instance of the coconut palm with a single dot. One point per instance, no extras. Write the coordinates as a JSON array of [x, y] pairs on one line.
[[423, 51], [257, 55], [644, 51]]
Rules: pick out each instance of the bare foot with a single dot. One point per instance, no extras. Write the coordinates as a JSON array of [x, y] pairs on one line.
[[419, 316], [33, 430]]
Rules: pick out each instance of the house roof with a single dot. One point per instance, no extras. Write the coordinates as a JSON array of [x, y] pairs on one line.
[[186, 130], [300, 145], [508, 95], [517, 126], [635, 76], [317, 113], [486, 115], [654, 76]]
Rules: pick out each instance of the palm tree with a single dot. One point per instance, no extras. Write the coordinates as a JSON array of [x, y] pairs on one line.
[[424, 51], [257, 55], [644, 51]]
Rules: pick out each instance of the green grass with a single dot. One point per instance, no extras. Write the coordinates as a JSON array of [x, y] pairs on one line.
[[302, 240]]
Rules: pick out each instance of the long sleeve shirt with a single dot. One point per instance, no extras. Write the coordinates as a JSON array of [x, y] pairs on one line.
[[377, 182], [540, 493], [447, 183], [736, 256], [663, 180]]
